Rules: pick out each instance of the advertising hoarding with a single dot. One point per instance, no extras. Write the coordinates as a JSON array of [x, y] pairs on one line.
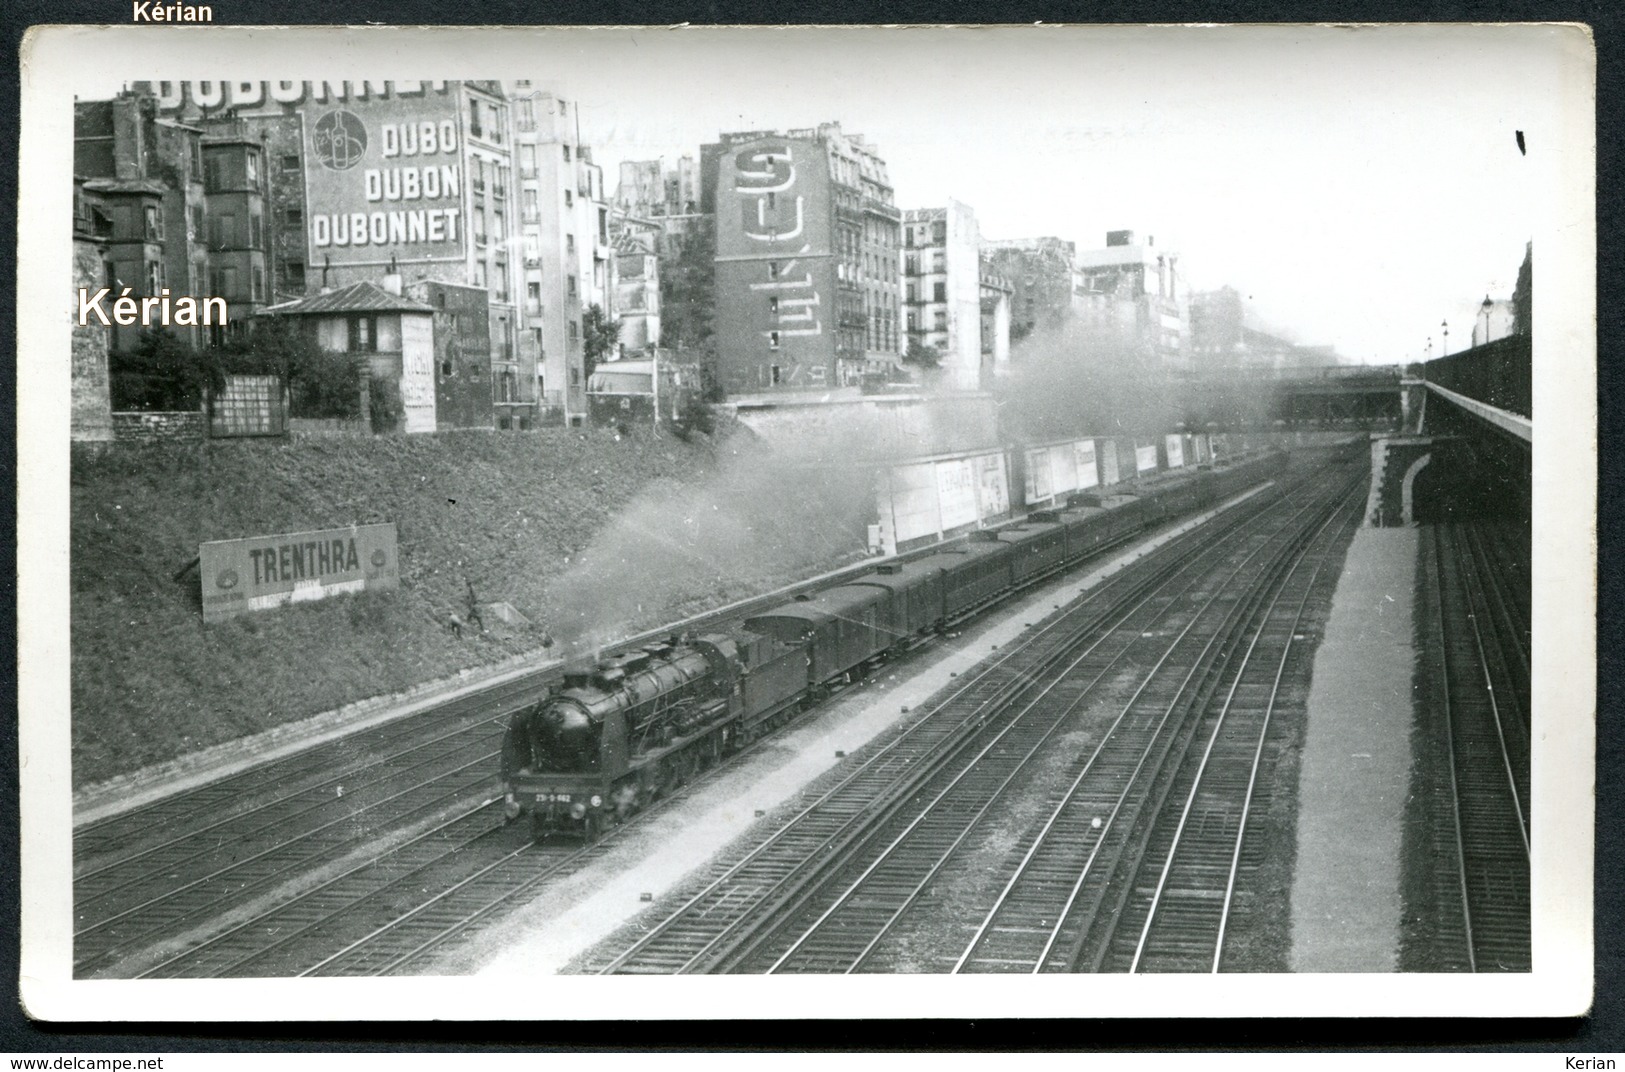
[[1145, 458], [1176, 450], [264, 572], [1083, 456], [774, 251]]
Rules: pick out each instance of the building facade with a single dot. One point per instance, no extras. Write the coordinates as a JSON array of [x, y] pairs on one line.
[[1130, 294], [942, 290], [565, 237], [1039, 271], [478, 184], [806, 282], [181, 208]]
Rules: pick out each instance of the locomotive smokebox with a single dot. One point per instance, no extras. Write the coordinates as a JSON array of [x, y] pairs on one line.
[[568, 737]]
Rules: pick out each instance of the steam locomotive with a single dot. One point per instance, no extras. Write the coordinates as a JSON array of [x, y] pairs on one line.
[[626, 730]]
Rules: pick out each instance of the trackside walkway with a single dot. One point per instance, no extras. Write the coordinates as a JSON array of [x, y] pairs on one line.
[[1354, 776]]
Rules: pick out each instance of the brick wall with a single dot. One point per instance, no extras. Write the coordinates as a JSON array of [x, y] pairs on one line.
[[158, 427]]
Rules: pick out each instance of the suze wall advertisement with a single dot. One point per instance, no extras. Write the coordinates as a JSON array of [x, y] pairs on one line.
[[774, 256]]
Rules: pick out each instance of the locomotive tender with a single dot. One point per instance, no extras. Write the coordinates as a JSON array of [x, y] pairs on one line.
[[620, 733]]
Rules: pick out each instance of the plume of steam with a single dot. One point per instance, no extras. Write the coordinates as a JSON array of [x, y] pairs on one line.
[[1072, 378], [770, 515]]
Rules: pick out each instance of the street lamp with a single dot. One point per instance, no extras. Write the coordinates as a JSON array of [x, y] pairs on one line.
[[1444, 347], [1485, 309], [1430, 348]]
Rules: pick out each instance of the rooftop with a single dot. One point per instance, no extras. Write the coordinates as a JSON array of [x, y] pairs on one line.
[[364, 297]]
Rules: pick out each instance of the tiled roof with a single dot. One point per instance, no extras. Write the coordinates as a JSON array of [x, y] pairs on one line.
[[361, 297]]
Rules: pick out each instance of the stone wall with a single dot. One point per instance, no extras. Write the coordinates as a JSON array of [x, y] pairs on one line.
[[91, 419], [159, 427]]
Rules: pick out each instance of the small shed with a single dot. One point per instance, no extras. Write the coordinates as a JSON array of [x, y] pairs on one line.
[[395, 334]]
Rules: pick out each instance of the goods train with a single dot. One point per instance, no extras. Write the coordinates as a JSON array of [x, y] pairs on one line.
[[621, 732]]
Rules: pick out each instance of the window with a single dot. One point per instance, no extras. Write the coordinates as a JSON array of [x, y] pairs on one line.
[[196, 233], [293, 215], [773, 375], [569, 198], [772, 269], [575, 376], [445, 368], [569, 243], [290, 162], [570, 286], [479, 227], [479, 272], [474, 119], [155, 277], [251, 165], [294, 271], [363, 334], [575, 330], [225, 230], [773, 306], [256, 231], [566, 148], [498, 225], [195, 151], [533, 294], [773, 344], [258, 283], [155, 223], [940, 292]]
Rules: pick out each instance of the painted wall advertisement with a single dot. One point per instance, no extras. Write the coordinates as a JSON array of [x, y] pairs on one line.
[[774, 245], [383, 160], [264, 572]]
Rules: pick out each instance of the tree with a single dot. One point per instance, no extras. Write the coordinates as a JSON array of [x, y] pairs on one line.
[[601, 334], [320, 384], [922, 355], [687, 293], [161, 372]]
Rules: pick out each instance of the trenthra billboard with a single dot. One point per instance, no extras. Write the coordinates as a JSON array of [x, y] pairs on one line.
[[263, 572]]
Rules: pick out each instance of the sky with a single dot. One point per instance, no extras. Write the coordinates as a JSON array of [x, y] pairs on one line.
[[1359, 185]]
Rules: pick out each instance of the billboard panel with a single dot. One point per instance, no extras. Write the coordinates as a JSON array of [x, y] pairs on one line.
[[1108, 463], [385, 176], [1037, 483], [956, 492], [1176, 450], [913, 502], [262, 572], [994, 485], [1083, 455], [1063, 469], [1145, 458]]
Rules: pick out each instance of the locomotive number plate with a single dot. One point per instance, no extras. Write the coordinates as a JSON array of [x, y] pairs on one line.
[[561, 798]]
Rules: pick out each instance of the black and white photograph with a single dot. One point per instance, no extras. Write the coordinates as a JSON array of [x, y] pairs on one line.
[[512, 509]]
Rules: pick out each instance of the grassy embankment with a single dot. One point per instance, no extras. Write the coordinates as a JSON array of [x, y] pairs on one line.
[[582, 532]]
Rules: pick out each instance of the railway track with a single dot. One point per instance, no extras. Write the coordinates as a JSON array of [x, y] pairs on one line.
[[827, 890], [1477, 724], [391, 913], [1178, 904], [147, 877]]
